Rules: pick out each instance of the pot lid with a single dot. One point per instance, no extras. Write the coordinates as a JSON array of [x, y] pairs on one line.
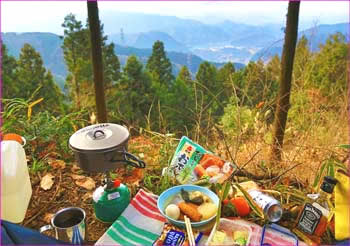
[[99, 137]]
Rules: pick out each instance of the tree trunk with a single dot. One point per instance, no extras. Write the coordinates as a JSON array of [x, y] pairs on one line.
[[96, 50], [290, 40]]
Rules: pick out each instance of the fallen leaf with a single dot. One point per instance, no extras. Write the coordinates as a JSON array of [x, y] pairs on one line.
[[141, 155], [75, 169], [87, 183], [47, 182], [87, 196], [57, 164], [47, 217], [76, 177], [135, 177]]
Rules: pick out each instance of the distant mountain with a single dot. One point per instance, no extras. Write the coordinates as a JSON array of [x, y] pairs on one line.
[[146, 40], [249, 35], [316, 36], [185, 31], [49, 46]]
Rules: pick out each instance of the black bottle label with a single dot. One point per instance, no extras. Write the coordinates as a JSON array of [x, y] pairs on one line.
[[309, 219]]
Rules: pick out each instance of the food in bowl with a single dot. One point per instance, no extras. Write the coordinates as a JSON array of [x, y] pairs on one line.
[[194, 204]]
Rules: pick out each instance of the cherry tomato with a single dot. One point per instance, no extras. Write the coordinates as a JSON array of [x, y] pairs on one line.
[[241, 205], [225, 201]]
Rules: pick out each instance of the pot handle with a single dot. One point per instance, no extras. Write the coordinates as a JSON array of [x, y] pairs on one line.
[[131, 160], [141, 164]]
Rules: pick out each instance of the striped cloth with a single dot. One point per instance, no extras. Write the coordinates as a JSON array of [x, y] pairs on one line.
[[141, 223]]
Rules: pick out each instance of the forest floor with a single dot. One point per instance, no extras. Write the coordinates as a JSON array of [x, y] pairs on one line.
[[72, 186]]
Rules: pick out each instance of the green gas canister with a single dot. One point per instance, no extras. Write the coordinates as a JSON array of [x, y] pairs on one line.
[[110, 200]]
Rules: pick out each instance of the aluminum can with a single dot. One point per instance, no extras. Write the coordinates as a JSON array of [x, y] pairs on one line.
[[270, 206]]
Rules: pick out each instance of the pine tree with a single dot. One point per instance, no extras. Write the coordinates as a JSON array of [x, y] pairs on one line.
[[31, 76], [180, 103], [159, 65], [10, 88], [133, 95], [30, 71], [329, 71], [224, 79], [185, 75], [77, 54], [206, 77]]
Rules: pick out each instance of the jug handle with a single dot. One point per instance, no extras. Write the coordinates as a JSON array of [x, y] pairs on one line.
[[24, 141], [45, 228]]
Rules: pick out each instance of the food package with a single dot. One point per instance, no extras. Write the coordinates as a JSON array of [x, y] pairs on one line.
[[191, 162], [174, 236], [230, 232]]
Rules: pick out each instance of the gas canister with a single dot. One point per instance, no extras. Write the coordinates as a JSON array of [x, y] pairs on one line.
[[110, 200]]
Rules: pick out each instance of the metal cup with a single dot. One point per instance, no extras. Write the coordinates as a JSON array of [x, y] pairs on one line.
[[69, 225]]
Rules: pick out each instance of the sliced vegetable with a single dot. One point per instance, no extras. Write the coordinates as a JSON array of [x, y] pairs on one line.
[[241, 205], [200, 171]]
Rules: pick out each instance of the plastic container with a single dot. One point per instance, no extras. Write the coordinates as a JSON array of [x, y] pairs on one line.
[[229, 227], [274, 235], [16, 188], [110, 203]]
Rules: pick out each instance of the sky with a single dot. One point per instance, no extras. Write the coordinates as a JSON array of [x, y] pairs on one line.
[[47, 16]]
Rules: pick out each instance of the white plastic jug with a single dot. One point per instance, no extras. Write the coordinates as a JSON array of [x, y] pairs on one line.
[[16, 188]]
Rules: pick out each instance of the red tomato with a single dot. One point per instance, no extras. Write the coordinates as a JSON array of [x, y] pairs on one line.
[[225, 201], [241, 206]]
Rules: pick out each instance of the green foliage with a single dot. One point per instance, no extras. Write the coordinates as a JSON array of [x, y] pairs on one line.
[[159, 65], [259, 85], [42, 128], [27, 76], [329, 71], [133, 95], [179, 106], [8, 68], [238, 119], [225, 80], [77, 54]]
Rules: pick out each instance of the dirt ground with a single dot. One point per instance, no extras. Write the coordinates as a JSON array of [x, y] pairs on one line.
[[67, 191]]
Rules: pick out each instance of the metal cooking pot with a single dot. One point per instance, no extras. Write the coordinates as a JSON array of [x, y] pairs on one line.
[[103, 147]]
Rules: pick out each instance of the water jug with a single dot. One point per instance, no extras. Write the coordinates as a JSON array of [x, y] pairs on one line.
[[110, 201], [16, 188]]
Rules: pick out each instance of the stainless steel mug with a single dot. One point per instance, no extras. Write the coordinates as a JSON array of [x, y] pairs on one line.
[[69, 225]]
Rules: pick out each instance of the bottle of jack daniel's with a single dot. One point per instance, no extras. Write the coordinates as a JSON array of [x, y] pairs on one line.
[[313, 217]]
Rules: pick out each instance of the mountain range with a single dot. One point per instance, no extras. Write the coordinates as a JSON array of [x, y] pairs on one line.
[[316, 36], [187, 42], [49, 46]]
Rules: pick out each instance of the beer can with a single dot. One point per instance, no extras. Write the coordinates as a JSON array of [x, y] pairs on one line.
[[270, 206]]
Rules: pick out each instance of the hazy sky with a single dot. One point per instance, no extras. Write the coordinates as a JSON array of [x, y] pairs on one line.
[[48, 16]]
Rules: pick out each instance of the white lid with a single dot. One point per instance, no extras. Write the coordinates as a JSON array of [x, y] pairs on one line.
[[99, 137]]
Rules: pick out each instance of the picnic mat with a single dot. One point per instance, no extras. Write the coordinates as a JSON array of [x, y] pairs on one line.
[[141, 223]]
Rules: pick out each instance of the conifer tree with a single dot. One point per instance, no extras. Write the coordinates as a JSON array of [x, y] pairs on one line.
[[10, 88], [185, 75], [133, 94], [31, 76], [159, 65]]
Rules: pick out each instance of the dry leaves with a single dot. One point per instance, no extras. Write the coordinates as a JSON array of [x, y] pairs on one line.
[[47, 217], [87, 196], [47, 181], [75, 169], [75, 177], [85, 182], [57, 164]]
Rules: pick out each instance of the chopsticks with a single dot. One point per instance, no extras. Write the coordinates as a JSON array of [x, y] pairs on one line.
[[189, 231]]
